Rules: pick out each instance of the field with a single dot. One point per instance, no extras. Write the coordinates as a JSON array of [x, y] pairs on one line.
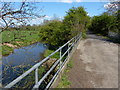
[[16, 39]]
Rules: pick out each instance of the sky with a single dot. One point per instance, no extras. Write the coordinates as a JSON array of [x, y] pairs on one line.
[[59, 9], [65, 1], [51, 8]]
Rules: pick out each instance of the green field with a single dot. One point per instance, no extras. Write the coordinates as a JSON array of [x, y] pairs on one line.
[[17, 39]]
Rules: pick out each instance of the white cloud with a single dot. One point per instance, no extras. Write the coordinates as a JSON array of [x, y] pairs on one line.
[[66, 1], [70, 1], [39, 20], [47, 17], [78, 0]]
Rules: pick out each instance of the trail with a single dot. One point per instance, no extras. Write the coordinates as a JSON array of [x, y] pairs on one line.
[[95, 64]]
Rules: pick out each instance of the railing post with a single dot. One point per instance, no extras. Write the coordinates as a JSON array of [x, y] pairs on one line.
[[68, 50], [75, 39], [60, 56], [36, 76], [60, 53], [74, 42]]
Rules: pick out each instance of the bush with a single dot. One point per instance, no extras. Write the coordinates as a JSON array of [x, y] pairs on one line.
[[53, 34], [102, 24]]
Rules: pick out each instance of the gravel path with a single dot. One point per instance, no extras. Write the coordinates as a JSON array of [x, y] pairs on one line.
[[95, 65]]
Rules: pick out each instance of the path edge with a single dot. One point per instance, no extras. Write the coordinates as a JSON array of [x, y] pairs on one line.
[[58, 78]]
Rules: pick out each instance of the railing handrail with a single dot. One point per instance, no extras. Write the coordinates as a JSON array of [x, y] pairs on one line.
[[15, 81]]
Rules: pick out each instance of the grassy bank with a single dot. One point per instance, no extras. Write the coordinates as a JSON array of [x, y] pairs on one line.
[[55, 56], [64, 82], [16, 39]]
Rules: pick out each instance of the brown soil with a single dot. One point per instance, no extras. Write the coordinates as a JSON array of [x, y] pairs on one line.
[[10, 45], [95, 65]]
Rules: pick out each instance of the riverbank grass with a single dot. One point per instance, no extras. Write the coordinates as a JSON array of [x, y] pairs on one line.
[[6, 50], [55, 56], [15, 39], [64, 82]]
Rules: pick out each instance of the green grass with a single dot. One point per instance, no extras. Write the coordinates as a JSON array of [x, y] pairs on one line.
[[64, 82], [84, 35], [70, 64], [19, 38], [48, 52], [6, 50], [23, 36]]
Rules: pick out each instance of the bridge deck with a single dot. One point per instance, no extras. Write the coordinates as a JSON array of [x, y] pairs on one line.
[[95, 65]]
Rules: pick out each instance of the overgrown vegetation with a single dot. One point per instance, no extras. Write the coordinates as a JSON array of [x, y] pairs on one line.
[[55, 56], [53, 33], [64, 82], [102, 24], [56, 33], [6, 50], [107, 24]]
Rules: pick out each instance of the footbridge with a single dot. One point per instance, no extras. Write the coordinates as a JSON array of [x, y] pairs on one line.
[[57, 66]]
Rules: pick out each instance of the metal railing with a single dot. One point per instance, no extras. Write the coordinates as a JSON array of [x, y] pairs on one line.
[[70, 44]]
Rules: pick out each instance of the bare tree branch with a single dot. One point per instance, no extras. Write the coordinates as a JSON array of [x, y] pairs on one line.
[[12, 13], [113, 6]]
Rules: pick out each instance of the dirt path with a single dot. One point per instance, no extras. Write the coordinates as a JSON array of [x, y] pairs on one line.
[[95, 65]]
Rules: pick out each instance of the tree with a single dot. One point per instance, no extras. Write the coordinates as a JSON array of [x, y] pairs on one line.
[[118, 19], [113, 8], [53, 33], [118, 24], [56, 33], [76, 20], [13, 13], [102, 24]]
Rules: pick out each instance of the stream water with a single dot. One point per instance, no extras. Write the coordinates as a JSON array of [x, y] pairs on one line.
[[20, 60]]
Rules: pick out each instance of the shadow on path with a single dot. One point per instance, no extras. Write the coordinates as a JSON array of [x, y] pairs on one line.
[[94, 36]]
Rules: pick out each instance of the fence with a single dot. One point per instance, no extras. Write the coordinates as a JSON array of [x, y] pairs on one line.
[[58, 63]]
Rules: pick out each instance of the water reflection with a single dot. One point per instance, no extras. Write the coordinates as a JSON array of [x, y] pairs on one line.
[[21, 60]]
